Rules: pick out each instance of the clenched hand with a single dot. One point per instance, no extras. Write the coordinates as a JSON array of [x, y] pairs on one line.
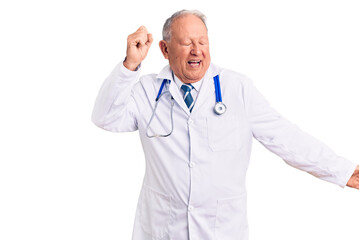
[[138, 44]]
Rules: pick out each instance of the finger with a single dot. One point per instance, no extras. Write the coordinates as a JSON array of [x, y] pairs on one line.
[[142, 39], [149, 39], [137, 38], [142, 35], [142, 29]]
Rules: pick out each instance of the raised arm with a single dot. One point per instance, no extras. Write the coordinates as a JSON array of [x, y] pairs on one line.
[[115, 107]]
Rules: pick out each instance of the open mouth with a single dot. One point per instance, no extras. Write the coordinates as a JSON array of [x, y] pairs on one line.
[[194, 63]]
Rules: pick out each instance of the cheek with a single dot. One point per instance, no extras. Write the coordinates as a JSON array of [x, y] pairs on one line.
[[206, 52], [178, 54], [180, 58], [172, 57]]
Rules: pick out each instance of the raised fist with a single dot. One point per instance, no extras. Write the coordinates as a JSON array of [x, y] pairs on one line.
[[138, 44]]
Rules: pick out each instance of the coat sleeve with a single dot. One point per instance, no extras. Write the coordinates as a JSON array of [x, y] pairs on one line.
[[293, 145], [115, 109]]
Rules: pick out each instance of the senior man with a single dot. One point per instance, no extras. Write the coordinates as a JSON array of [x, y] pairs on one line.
[[197, 157]]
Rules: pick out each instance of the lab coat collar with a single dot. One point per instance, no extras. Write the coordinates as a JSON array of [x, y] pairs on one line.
[[206, 90], [166, 73]]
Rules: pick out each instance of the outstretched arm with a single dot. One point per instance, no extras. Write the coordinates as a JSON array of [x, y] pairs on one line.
[[296, 147]]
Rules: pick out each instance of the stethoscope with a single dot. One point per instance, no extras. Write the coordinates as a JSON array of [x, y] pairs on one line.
[[219, 108]]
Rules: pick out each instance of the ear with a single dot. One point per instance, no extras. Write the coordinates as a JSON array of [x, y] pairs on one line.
[[163, 46]]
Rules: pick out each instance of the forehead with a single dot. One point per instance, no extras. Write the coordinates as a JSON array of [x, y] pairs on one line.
[[188, 26]]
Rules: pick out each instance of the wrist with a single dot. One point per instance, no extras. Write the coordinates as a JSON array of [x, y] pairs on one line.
[[130, 66]]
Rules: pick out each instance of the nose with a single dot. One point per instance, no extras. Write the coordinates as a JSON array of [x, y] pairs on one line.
[[196, 50]]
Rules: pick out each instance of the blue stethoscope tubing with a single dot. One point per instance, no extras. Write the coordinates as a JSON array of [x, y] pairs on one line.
[[161, 88], [219, 108], [217, 87]]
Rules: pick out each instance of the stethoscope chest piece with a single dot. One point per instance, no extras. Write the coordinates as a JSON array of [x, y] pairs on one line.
[[220, 108]]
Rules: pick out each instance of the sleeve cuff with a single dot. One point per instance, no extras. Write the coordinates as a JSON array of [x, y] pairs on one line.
[[123, 73], [348, 174]]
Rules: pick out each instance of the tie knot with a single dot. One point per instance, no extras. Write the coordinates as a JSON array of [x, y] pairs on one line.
[[186, 87]]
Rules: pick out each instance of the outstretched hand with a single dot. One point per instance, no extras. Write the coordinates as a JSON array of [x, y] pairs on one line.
[[354, 179]]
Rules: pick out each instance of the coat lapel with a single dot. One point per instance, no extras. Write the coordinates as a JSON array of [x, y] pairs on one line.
[[166, 73], [177, 95]]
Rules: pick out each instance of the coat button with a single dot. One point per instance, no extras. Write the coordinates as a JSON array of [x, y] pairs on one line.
[[190, 121], [191, 164], [190, 208]]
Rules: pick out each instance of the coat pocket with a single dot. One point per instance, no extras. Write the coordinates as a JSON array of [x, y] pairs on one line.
[[223, 133], [155, 212], [231, 218]]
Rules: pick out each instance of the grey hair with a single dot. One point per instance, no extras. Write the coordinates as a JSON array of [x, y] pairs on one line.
[[166, 31]]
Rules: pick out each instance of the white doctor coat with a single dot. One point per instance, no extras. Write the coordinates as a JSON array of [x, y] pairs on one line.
[[194, 183]]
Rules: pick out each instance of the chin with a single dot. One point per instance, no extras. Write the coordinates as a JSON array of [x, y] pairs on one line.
[[193, 79]]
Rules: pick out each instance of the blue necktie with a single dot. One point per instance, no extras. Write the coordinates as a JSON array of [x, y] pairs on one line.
[[187, 96]]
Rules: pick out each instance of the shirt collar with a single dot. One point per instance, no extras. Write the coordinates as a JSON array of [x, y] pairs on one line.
[[195, 85]]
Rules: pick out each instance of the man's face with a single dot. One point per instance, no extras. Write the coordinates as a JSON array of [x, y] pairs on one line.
[[188, 49]]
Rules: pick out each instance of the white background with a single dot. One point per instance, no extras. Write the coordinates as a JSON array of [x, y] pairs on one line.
[[61, 177]]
